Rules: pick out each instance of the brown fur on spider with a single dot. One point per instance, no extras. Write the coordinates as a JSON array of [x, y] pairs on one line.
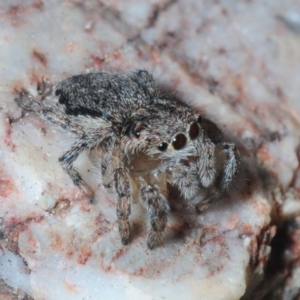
[[141, 140]]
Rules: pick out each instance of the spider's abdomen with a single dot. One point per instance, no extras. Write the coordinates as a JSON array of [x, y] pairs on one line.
[[109, 96]]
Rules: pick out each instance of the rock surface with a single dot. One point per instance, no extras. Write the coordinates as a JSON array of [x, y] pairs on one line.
[[238, 62]]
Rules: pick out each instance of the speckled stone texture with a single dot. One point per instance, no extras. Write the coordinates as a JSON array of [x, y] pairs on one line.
[[238, 62]]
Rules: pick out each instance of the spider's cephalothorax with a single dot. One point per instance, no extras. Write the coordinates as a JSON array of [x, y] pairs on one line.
[[141, 140]]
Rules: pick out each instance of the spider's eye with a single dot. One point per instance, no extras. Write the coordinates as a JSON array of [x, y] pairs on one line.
[[136, 131], [179, 141], [194, 131], [199, 120], [163, 147]]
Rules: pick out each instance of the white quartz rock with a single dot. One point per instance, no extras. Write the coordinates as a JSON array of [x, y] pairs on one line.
[[234, 62]]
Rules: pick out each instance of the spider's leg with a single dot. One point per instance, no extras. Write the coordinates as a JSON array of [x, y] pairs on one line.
[[123, 189], [158, 208], [231, 165], [67, 161], [211, 196], [50, 113], [105, 157]]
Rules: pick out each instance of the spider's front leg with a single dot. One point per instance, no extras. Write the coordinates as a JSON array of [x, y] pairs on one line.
[[123, 188], [158, 208]]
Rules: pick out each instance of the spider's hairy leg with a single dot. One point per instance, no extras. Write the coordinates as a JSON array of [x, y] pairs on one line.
[[123, 189], [158, 208], [146, 81], [231, 165], [105, 157], [67, 161], [26, 101], [50, 113], [224, 178], [107, 166], [211, 196]]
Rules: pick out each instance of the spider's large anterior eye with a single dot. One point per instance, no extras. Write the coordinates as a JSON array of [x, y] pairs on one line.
[[194, 131], [163, 147], [179, 141]]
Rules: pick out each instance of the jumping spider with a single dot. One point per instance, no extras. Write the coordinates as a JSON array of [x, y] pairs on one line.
[[141, 140]]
